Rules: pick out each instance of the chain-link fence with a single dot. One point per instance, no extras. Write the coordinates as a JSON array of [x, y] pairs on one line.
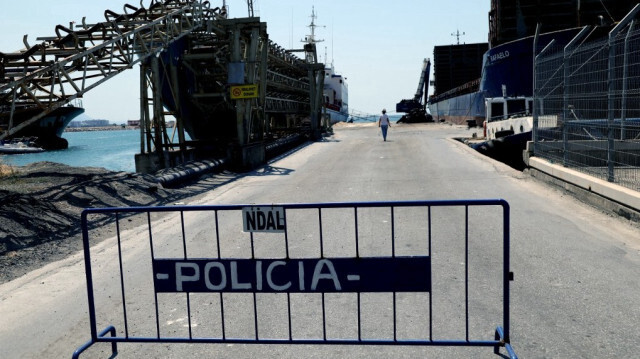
[[587, 107]]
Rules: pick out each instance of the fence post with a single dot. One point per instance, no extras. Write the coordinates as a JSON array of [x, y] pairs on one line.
[[565, 98], [610, 106], [625, 80], [610, 87], [534, 110], [538, 103]]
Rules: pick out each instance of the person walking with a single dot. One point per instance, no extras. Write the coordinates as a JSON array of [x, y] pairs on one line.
[[384, 123]]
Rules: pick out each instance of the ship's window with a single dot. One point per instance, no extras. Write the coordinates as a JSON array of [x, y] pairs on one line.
[[340, 81], [516, 107], [496, 111]]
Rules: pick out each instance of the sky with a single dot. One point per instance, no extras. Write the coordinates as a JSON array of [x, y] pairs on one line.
[[379, 46]]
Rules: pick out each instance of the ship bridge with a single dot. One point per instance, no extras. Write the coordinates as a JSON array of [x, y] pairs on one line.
[[230, 89]]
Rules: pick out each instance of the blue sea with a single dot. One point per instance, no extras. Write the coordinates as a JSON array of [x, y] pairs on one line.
[[373, 118], [113, 150]]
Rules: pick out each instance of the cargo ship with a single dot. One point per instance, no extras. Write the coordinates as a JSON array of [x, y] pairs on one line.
[[46, 133], [505, 69], [457, 70]]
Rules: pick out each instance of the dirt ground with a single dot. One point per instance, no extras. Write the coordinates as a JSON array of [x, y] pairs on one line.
[[41, 203]]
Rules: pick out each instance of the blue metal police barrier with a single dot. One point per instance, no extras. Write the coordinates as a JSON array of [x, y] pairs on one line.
[[211, 262]]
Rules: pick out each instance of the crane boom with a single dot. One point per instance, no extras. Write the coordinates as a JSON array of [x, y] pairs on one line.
[[420, 98], [250, 6], [424, 79]]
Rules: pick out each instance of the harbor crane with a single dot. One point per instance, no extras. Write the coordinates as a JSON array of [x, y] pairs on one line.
[[415, 108], [250, 6]]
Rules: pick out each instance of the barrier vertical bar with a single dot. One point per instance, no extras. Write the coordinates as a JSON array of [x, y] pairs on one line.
[[255, 302], [324, 311], [506, 269], [393, 254], [224, 334], [184, 238], [393, 234], [466, 271], [89, 276], [430, 292], [184, 252], [355, 216], [155, 293], [286, 245], [124, 302], [320, 233]]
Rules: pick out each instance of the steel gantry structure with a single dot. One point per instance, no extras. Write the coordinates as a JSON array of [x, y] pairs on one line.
[[44, 77], [190, 55]]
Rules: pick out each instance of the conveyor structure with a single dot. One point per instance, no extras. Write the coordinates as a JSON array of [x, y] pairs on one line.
[[193, 59]]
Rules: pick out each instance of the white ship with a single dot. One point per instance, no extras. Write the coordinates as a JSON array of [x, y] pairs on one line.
[[335, 106], [336, 96]]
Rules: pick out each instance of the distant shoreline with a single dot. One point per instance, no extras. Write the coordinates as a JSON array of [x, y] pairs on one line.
[[103, 128]]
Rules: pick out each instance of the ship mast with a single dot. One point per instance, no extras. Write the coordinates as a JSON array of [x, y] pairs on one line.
[[310, 40]]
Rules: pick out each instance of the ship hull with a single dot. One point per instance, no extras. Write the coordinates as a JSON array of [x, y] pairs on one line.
[[460, 109], [48, 130], [336, 96], [507, 70], [511, 65], [337, 116]]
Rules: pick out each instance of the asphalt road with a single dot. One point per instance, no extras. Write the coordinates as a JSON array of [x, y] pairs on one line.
[[576, 269]]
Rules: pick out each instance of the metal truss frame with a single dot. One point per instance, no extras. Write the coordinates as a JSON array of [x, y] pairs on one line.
[[63, 68]]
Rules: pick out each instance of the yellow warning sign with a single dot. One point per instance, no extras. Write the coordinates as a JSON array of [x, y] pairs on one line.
[[244, 91]]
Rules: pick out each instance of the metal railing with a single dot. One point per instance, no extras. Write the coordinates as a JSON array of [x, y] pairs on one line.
[[374, 273], [587, 114]]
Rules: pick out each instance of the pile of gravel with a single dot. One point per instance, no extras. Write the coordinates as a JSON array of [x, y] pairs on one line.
[[41, 203]]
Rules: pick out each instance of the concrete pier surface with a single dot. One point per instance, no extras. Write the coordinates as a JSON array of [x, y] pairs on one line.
[[576, 268]]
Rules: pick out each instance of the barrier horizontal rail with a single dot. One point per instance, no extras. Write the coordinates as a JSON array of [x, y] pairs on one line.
[[343, 259]]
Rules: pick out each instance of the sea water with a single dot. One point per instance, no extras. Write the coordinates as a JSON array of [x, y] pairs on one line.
[[113, 150], [374, 118]]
